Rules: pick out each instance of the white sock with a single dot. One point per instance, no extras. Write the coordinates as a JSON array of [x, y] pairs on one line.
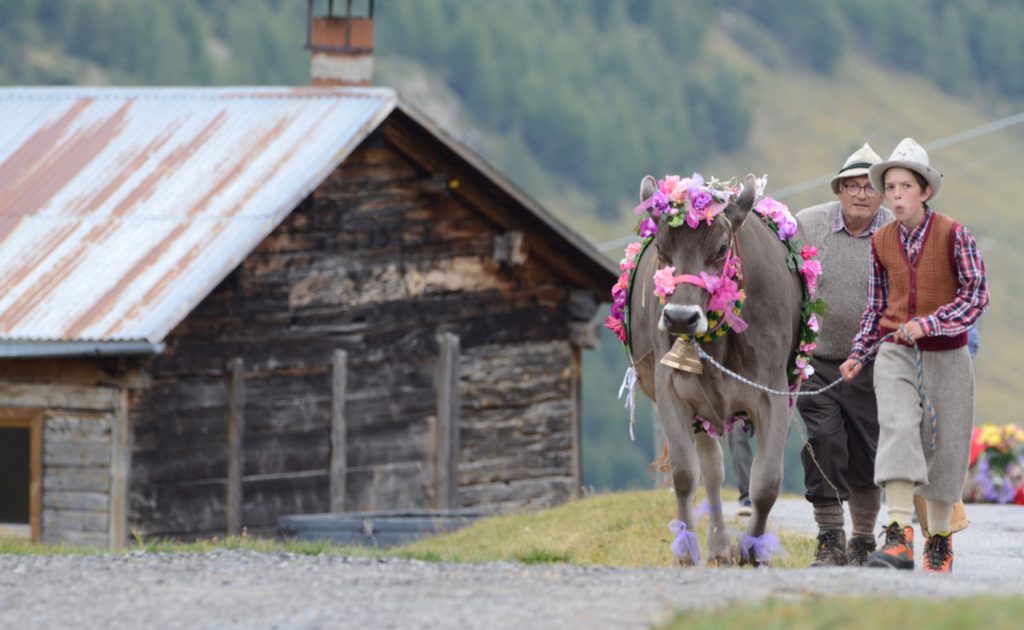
[[899, 497], [940, 517]]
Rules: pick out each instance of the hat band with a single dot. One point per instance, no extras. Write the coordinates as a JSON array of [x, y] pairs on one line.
[[855, 165]]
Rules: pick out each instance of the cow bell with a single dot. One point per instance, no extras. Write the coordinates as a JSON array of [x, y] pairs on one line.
[[683, 357]]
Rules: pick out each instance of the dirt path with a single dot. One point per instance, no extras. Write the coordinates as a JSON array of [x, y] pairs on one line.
[[249, 590]]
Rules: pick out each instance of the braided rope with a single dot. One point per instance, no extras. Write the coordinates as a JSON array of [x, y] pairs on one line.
[[775, 392]]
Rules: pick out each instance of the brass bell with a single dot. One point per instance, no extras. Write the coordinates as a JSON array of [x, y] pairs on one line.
[[683, 356]]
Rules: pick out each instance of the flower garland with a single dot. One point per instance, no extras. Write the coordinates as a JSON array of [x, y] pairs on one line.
[[693, 201]]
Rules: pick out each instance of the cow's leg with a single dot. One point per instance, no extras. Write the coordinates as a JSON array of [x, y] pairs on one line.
[[766, 470], [712, 466], [676, 422]]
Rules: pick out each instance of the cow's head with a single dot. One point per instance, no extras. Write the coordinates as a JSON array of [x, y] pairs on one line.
[[692, 250]]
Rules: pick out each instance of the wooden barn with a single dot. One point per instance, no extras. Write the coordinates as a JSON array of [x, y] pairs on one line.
[[224, 305]]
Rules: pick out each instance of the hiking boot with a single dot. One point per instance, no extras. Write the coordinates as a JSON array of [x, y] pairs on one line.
[[831, 549], [858, 550], [898, 550], [746, 508], [938, 554]]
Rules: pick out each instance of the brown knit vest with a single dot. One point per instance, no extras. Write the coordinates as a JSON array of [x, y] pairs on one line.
[[918, 290]]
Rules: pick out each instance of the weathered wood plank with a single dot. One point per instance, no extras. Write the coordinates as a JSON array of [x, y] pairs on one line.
[[339, 431], [235, 447], [88, 501], [77, 429], [446, 461], [120, 465], [395, 486], [57, 396], [79, 520], [70, 454], [94, 479]]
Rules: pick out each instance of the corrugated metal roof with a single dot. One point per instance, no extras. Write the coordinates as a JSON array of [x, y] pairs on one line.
[[121, 209]]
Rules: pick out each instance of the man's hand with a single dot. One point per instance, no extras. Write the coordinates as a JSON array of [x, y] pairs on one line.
[[910, 332], [850, 368]]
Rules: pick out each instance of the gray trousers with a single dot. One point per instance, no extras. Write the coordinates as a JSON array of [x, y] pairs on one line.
[[906, 428], [742, 457]]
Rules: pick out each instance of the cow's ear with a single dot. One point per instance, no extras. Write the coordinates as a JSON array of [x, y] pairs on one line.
[[647, 188], [738, 209]]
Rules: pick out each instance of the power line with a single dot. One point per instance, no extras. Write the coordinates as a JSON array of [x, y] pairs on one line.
[[809, 184]]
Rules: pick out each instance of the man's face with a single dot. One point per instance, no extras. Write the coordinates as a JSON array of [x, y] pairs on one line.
[[858, 199]]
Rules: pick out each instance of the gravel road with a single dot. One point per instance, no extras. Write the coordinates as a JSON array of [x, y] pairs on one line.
[[251, 590]]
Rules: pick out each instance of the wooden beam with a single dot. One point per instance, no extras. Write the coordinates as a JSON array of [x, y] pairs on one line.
[[236, 452], [120, 464], [339, 430], [577, 417], [52, 396], [446, 465]]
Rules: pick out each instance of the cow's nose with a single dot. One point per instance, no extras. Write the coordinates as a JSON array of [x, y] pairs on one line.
[[684, 320]]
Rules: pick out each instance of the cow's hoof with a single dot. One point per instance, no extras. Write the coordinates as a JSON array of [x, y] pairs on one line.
[[682, 563], [720, 561]]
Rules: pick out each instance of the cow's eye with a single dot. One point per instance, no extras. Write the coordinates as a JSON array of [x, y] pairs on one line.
[[722, 251]]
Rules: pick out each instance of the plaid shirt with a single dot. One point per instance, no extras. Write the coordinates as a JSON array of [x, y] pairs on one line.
[[839, 224], [949, 319]]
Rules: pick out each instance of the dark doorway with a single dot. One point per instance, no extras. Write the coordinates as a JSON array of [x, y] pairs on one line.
[[15, 474]]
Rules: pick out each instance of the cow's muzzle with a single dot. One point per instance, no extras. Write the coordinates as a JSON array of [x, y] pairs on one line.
[[683, 320]]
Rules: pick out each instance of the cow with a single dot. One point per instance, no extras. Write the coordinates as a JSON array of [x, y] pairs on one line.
[[763, 353]]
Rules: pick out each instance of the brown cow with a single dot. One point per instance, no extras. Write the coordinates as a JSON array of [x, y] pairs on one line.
[[772, 310]]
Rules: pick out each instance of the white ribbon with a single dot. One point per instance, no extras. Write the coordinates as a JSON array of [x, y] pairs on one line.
[[629, 388]]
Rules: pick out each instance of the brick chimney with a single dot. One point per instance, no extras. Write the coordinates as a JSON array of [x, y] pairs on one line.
[[341, 47]]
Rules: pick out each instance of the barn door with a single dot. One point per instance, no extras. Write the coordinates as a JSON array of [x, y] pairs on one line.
[[21, 464]]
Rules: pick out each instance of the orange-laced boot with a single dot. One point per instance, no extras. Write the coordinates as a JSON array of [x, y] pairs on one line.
[[898, 550], [938, 554]]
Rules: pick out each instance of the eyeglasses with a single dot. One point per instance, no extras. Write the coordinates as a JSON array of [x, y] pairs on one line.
[[853, 189]]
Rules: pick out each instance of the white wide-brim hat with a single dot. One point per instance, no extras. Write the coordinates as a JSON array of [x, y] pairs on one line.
[[910, 155], [856, 165]]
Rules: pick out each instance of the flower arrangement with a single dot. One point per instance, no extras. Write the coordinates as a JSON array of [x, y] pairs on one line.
[[694, 201], [996, 473], [803, 260]]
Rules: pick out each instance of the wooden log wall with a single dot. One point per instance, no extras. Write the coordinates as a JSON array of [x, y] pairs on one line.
[[82, 483], [377, 262]]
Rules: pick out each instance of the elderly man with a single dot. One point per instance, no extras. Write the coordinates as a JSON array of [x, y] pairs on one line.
[[842, 423]]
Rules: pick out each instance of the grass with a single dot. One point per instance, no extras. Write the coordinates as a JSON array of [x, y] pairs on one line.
[[837, 613], [626, 529]]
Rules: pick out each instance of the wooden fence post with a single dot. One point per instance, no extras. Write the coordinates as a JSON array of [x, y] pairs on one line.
[[339, 461], [236, 450], [446, 462], [120, 463]]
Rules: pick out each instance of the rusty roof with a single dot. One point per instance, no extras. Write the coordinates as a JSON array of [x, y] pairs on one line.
[[121, 209]]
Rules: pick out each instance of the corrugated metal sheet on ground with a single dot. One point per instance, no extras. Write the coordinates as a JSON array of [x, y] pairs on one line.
[[121, 209]]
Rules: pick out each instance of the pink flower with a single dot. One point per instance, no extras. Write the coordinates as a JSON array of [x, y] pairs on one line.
[[803, 366], [808, 348], [808, 252], [710, 428], [812, 322], [616, 326], [633, 249], [811, 270], [664, 282]]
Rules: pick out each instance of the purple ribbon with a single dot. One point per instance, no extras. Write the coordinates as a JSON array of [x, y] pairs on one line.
[[763, 547], [685, 545]]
